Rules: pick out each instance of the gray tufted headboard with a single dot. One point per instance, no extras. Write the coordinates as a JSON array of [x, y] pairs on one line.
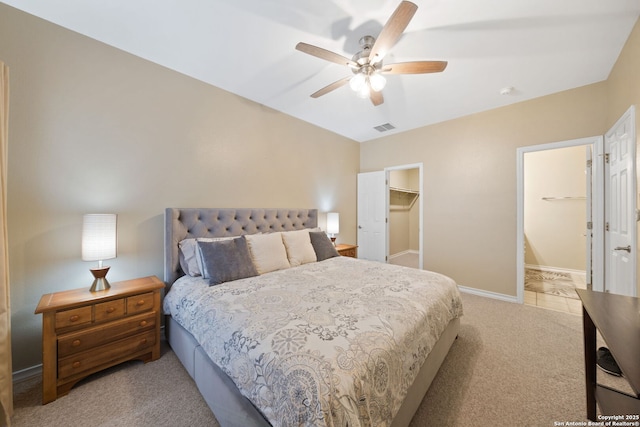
[[183, 223]]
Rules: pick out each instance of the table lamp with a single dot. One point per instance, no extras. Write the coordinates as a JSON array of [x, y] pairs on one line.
[[98, 244], [333, 225]]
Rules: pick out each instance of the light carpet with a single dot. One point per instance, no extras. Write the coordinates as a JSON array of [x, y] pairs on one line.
[[512, 365]]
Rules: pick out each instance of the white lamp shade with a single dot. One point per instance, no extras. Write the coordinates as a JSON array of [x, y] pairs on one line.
[[377, 82], [357, 82], [98, 237], [364, 92], [333, 222]]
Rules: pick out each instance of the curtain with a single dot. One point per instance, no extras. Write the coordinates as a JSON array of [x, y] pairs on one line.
[[6, 380]]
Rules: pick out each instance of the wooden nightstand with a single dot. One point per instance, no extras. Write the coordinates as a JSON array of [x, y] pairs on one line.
[[85, 332], [347, 250]]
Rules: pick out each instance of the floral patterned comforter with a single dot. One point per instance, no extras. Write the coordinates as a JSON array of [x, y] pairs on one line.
[[331, 343]]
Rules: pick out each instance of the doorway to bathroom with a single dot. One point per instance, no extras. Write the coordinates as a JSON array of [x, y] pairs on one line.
[[560, 217], [557, 205]]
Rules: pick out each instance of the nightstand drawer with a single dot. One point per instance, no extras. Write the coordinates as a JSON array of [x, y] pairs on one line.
[[105, 355], [76, 342], [140, 303], [349, 252], [109, 310], [74, 317]]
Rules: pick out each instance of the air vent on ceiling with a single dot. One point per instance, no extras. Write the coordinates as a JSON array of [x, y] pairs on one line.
[[385, 127]]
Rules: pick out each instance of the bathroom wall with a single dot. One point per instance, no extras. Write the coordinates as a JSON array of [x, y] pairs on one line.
[[555, 228]]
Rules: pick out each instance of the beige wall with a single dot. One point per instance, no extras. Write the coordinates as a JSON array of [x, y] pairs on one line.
[[93, 129], [623, 85], [555, 229]]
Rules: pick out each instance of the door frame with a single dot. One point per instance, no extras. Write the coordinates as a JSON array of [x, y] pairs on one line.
[[597, 203], [420, 167]]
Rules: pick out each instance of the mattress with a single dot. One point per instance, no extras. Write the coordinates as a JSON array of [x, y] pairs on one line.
[[337, 342]]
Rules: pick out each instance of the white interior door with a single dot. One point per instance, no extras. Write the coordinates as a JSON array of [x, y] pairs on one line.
[[373, 190], [620, 207]]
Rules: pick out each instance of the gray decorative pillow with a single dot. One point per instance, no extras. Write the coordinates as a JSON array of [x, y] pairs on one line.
[[322, 245], [226, 260]]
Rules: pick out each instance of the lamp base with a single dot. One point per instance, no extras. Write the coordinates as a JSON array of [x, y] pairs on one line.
[[333, 240], [100, 283]]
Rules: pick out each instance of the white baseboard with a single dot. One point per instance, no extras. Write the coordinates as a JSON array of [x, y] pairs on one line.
[[399, 254], [27, 374], [555, 269], [488, 294]]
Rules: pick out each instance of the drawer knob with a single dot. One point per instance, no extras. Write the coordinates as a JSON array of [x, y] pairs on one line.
[[75, 343], [143, 341], [111, 310], [139, 303], [143, 323], [74, 318], [76, 364]]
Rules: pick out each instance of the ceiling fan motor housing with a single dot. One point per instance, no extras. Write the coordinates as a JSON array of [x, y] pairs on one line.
[[362, 57]]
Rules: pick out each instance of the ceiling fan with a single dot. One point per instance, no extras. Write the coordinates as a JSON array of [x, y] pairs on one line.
[[367, 66]]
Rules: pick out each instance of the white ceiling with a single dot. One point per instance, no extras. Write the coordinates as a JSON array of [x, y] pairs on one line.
[[247, 47]]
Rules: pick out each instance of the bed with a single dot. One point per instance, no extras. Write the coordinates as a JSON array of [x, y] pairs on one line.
[[336, 341]]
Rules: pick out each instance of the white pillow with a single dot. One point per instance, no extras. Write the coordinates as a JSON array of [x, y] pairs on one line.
[[190, 258], [299, 248], [267, 252]]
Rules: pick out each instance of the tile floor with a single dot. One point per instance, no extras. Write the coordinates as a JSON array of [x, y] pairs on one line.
[[553, 290]]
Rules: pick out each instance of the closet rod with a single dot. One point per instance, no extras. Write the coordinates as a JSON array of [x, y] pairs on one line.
[[551, 199]]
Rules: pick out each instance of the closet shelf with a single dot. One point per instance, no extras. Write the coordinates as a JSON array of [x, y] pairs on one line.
[[551, 199], [402, 198], [404, 190]]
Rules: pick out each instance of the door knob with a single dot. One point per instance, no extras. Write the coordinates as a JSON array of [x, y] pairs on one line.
[[623, 248], [360, 227]]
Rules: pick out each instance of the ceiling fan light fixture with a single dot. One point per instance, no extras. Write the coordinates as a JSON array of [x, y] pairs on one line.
[[377, 81], [364, 92], [357, 82]]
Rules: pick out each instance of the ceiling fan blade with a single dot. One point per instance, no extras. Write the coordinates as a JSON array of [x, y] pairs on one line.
[[392, 31], [416, 67], [325, 54], [333, 86], [376, 97]]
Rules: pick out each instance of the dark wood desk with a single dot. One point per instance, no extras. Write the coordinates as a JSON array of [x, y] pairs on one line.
[[617, 318]]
